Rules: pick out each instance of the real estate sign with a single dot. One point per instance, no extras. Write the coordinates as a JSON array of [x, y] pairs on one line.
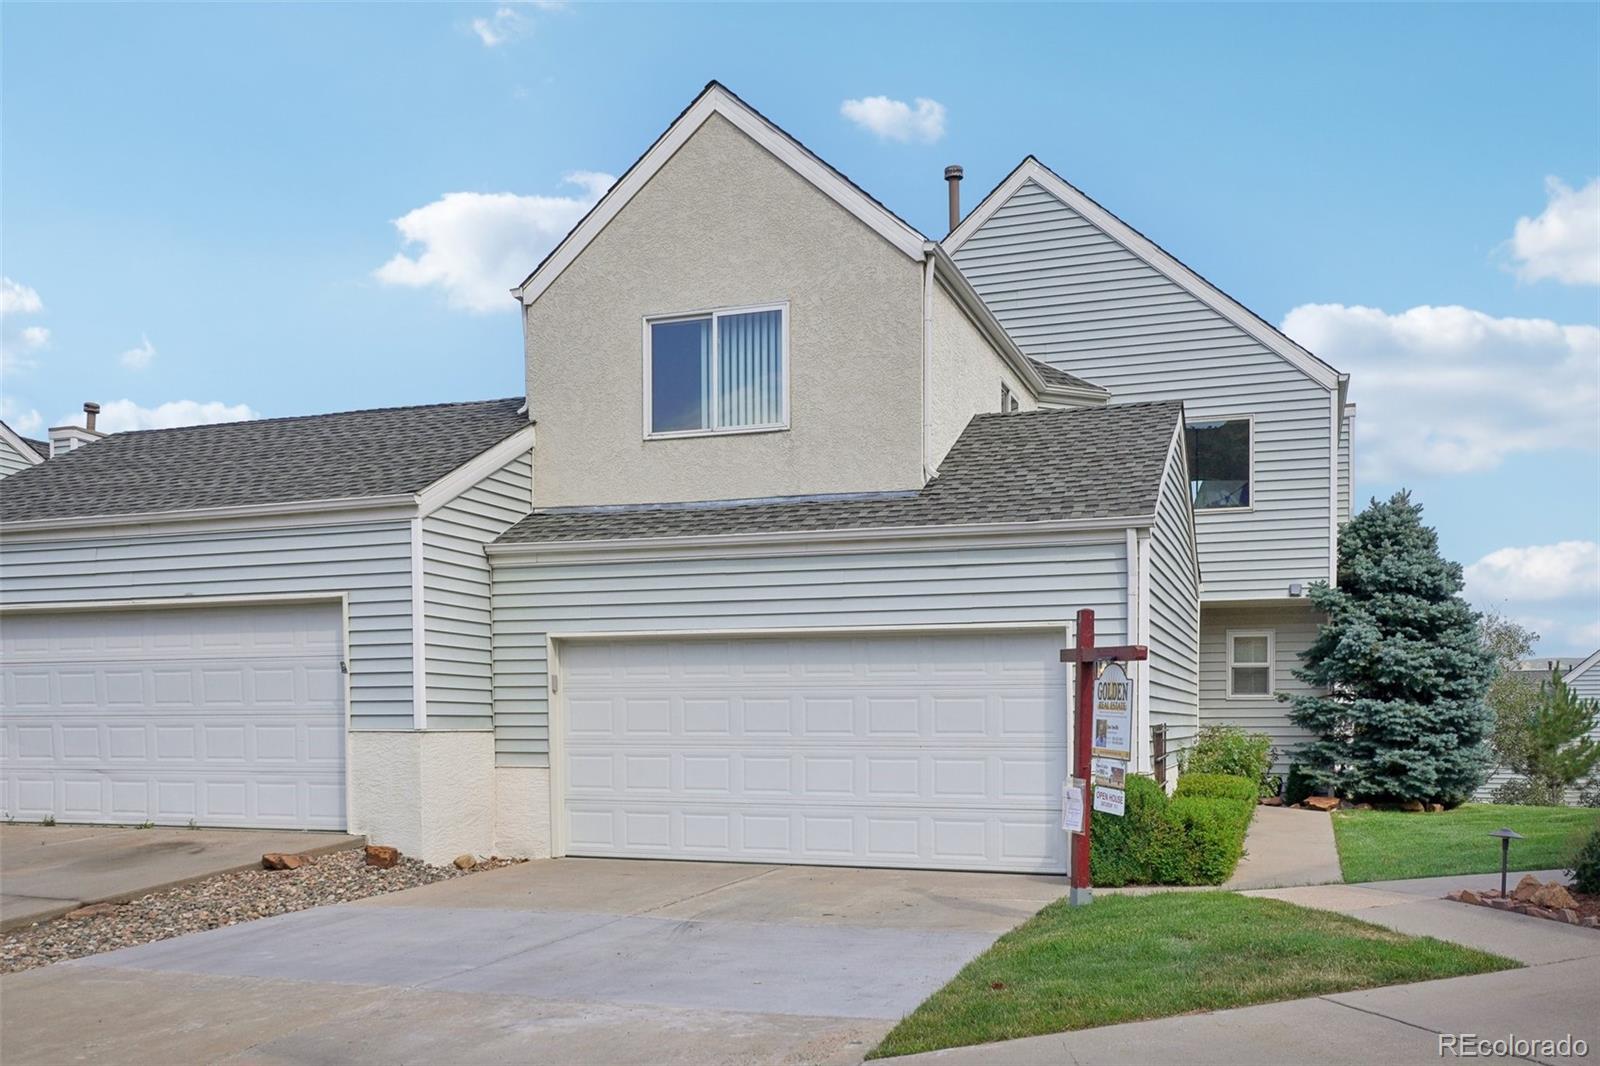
[[1113, 714], [1072, 808], [1110, 801]]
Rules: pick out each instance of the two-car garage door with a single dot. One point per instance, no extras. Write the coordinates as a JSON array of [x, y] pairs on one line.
[[941, 750], [224, 716]]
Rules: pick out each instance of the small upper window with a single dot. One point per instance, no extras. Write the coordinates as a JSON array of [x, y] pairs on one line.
[[721, 372], [1250, 672], [1005, 397], [1219, 463]]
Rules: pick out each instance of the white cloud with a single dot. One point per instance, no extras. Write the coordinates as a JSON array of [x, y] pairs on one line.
[[26, 421], [19, 344], [118, 416], [18, 299], [1449, 390], [1564, 241], [138, 358], [476, 246], [896, 120], [504, 25], [1569, 570]]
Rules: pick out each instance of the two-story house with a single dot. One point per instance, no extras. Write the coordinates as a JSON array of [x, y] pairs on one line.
[[773, 561], [1268, 425]]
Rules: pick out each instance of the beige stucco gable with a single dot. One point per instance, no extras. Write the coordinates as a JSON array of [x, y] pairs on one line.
[[724, 223]]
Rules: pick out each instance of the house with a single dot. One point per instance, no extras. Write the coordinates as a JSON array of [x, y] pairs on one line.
[[773, 561], [1268, 425], [18, 452]]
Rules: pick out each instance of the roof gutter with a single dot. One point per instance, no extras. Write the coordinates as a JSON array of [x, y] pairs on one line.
[[398, 502], [1114, 524]]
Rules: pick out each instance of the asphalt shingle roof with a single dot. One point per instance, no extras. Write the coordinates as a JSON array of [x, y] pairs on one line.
[[1056, 376], [1031, 466], [389, 451]]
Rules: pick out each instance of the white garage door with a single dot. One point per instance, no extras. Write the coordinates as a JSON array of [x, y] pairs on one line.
[[935, 751], [229, 716]]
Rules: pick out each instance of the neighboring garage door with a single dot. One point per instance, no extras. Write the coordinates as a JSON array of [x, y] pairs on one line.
[[935, 751], [226, 716]]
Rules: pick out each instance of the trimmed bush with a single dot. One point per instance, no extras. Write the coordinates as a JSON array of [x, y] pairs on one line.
[[1218, 786], [1195, 838], [1227, 749]]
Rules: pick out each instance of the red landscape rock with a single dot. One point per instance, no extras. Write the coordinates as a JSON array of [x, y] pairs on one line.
[[1322, 803], [382, 857], [278, 860], [1526, 887], [1554, 897], [94, 910]]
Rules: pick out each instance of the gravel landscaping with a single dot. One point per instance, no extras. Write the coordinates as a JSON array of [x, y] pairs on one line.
[[226, 899]]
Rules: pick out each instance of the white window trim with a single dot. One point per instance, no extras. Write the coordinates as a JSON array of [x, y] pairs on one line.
[[714, 313], [1271, 664], [1193, 420]]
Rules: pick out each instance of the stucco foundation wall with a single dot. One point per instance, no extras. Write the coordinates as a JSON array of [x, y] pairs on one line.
[[522, 812], [725, 224], [430, 794]]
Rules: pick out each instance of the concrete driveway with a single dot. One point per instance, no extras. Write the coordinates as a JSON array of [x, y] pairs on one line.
[[568, 960], [49, 870]]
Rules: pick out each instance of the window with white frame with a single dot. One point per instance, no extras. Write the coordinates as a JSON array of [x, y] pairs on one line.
[[717, 372], [1250, 673], [1219, 463]]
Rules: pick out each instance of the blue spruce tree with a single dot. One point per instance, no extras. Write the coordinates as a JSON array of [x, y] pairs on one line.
[[1404, 717]]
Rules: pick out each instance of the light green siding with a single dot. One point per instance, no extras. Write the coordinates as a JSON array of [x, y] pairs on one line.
[[1174, 592]]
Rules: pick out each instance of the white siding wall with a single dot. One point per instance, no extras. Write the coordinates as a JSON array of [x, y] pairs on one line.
[[370, 561], [457, 591], [11, 460], [1174, 613], [910, 585], [1072, 296], [1294, 627]]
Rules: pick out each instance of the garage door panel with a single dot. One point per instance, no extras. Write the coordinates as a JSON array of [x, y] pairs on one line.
[[234, 716], [908, 750]]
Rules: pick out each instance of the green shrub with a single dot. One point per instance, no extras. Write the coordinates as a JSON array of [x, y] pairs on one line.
[[1217, 786], [1297, 787], [1227, 749], [1527, 792], [1585, 868], [1195, 838]]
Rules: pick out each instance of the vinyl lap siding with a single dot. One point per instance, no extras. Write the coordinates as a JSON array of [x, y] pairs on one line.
[[1294, 627], [456, 581], [534, 599], [1072, 296], [11, 460], [1174, 615], [1347, 484], [370, 561]]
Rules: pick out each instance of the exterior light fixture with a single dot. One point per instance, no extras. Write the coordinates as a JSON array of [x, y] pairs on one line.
[[1506, 836]]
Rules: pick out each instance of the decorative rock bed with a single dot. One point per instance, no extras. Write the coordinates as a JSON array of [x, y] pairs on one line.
[[1538, 899], [226, 899]]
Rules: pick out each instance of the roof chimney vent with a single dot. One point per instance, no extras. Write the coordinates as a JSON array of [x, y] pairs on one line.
[[952, 177], [64, 439], [90, 410]]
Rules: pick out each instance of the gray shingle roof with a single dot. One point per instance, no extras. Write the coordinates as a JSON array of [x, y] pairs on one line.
[[1056, 376], [1032, 466], [40, 446], [351, 454]]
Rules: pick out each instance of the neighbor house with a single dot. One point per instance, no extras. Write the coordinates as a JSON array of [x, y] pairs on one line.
[[1268, 425], [773, 561], [18, 452]]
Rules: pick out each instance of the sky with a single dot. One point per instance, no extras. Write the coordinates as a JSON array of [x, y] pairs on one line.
[[223, 211]]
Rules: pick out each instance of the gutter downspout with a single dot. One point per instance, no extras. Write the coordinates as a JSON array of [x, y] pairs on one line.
[[419, 631], [929, 255]]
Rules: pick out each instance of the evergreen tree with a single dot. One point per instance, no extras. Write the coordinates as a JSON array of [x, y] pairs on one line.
[[1560, 750], [1400, 659]]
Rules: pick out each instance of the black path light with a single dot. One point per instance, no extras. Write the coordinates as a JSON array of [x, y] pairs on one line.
[[1506, 837]]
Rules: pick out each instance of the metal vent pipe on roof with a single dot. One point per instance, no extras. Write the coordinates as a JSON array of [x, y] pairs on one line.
[[90, 410], [952, 177]]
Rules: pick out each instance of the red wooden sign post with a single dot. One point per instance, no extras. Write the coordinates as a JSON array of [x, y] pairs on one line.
[[1085, 656]]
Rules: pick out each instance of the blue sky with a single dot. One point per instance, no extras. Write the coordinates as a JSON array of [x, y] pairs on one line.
[[199, 202]]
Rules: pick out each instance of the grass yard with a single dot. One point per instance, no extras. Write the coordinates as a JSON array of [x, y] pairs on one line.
[[1124, 958], [1390, 845]]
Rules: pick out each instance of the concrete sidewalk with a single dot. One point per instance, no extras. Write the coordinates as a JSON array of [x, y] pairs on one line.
[[47, 871], [1287, 847]]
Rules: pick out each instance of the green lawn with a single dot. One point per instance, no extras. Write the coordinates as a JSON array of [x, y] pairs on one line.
[[1389, 845], [1124, 958]]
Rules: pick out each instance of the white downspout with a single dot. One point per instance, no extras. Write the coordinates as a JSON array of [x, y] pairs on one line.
[[927, 359], [419, 631]]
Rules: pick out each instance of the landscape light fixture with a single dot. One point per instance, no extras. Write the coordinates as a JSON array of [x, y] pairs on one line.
[[1506, 837]]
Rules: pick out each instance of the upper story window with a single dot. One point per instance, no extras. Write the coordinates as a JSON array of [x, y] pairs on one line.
[[717, 372], [1219, 464], [1250, 666]]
